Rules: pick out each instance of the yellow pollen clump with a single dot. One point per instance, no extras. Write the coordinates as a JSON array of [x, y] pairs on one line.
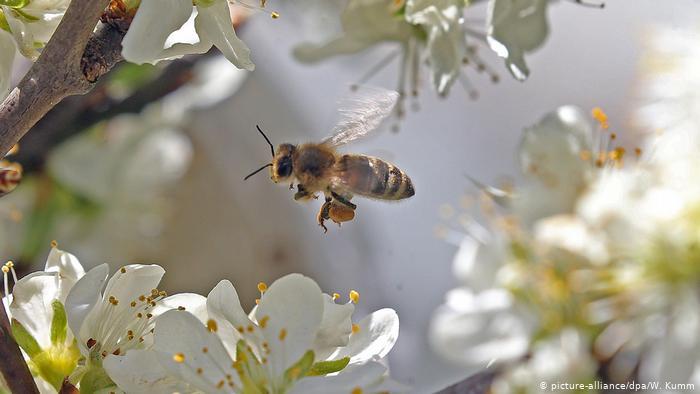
[[274, 15], [354, 296], [356, 390], [336, 296], [179, 357], [600, 116], [211, 325], [263, 321], [283, 334], [262, 287], [54, 244], [355, 328]]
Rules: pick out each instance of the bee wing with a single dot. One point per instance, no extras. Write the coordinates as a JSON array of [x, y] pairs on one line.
[[361, 114]]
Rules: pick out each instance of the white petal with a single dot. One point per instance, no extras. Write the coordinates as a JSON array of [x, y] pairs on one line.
[[336, 327], [514, 28], [31, 304], [377, 336], [67, 267], [193, 303], [294, 304], [8, 50], [82, 299], [475, 329], [140, 372], [155, 20], [214, 24], [224, 306], [182, 334], [136, 280]]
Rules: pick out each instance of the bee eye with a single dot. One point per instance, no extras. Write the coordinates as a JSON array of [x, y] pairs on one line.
[[284, 167]]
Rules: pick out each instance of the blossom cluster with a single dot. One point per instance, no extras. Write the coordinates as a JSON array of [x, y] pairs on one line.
[[120, 333], [437, 34], [589, 270]]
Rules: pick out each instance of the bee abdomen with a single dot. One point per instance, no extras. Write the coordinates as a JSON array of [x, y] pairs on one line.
[[397, 185], [373, 177]]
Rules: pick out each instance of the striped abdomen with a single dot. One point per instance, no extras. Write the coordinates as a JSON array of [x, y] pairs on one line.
[[373, 177]]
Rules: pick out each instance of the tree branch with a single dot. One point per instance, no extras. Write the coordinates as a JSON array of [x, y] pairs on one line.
[[479, 383], [13, 368], [69, 64]]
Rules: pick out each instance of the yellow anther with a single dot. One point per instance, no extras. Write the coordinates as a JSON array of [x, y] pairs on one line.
[[154, 292], [133, 304], [205, 350], [250, 328], [220, 384], [179, 357], [211, 325], [5, 269], [54, 244], [10, 264], [263, 321], [600, 116], [354, 296], [356, 390], [262, 287], [257, 301], [240, 329], [181, 308], [638, 151], [585, 155], [355, 328], [336, 296], [283, 334], [122, 270], [274, 15], [200, 371]]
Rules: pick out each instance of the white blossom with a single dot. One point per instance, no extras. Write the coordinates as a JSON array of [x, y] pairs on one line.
[[166, 29], [294, 331]]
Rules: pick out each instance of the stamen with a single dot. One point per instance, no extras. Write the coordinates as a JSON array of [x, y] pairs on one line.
[[336, 296], [179, 358], [263, 321], [262, 287], [600, 116], [54, 244], [355, 328], [354, 296], [356, 390], [211, 325], [283, 334]]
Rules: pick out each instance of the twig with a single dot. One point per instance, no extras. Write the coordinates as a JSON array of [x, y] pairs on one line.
[[13, 368], [479, 383], [75, 114], [69, 64]]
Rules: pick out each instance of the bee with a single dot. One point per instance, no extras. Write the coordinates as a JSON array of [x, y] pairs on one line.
[[319, 168]]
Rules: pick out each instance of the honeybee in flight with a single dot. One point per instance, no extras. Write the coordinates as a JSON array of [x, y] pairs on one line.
[[319, 168]]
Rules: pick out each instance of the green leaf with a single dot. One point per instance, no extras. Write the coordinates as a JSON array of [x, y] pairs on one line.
[[14, 3], [59, 323], [325, 367], [24, 339], [300, 368]]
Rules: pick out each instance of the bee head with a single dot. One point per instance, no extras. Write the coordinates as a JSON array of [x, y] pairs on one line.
[[282, 163]]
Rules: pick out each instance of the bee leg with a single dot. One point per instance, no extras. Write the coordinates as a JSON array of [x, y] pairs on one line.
[[343, 200], [302, 193], [324, 214]]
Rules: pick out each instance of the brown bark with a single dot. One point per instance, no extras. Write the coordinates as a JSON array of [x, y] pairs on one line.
[[14, 370]]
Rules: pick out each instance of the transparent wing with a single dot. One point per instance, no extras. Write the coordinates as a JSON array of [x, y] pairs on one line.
[[361, 114]]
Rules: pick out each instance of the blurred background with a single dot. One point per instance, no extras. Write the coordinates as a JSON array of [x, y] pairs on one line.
[[211, 225]]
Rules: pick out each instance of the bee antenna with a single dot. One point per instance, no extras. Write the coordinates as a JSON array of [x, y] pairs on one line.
[[272, 148], [258, 170]]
